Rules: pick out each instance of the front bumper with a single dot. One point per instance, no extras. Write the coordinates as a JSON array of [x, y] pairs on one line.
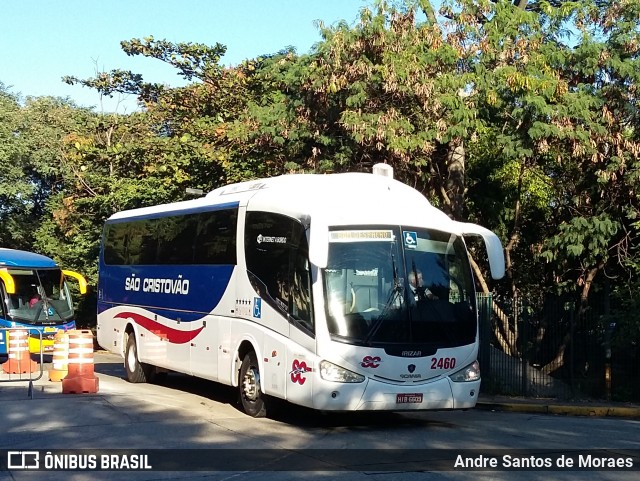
[[375, 395]]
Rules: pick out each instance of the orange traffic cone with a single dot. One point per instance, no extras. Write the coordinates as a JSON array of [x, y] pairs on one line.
[[19, 356], [60, 368], [81, 378]]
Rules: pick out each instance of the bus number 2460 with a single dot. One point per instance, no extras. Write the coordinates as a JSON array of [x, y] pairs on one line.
[[443, 363]]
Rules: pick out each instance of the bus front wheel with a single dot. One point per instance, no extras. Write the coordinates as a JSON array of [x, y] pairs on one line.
[[136, 371], [251, 397]]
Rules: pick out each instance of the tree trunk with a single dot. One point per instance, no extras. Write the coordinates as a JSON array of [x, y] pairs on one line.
[[522, 4], [501, 330], [455, 178], [558, 360], [515, 236]]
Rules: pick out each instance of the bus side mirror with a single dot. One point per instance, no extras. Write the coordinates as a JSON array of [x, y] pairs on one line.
[[80, 278], [9, 284], [493, 245], [318, 244]]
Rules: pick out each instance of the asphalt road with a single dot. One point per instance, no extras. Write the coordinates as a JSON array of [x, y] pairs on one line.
[[192, 429]]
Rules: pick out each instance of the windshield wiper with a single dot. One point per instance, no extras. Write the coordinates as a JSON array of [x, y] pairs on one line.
[[396, 292]]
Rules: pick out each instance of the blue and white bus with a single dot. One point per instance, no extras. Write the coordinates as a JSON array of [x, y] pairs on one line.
[[35, 295], [299, 287]]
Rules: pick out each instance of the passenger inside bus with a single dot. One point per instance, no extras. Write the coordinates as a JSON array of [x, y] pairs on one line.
[[35, 298]]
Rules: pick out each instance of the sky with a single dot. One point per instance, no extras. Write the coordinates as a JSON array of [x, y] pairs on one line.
[[44, 40]]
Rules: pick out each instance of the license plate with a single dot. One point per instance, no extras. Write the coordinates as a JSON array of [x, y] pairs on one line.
[[415, 398]]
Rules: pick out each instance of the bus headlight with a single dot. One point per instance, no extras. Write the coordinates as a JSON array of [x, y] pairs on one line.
[[467, 374], [331, 372]]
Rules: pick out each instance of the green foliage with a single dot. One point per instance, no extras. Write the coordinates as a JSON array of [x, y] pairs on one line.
[[15, 189], [193, 60], [31, 142], [587, 239]]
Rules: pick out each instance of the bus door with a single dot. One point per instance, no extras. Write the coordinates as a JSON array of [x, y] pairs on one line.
[[278, 270], [302, 348]]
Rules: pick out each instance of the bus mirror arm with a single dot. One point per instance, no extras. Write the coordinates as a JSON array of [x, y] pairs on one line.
[[493, 245], [80, 278], [8, 282], [318, 246]]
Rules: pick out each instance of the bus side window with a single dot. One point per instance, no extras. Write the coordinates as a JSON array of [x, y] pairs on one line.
[[301, 291], [277, 255], [216, 237], [115, 240], [267, 257], [175, 237]]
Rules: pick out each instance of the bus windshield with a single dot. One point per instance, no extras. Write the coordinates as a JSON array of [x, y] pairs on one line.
[[41, 296], [399, 285]]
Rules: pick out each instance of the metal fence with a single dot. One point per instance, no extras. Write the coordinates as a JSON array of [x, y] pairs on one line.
[[19, 365], [556, 348]]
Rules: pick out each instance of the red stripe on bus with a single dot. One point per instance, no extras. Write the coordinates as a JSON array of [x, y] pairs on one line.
[[173, 335]]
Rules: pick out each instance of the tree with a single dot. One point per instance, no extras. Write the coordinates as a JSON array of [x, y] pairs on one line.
[[561, 119], [32, 135], [16, 205]]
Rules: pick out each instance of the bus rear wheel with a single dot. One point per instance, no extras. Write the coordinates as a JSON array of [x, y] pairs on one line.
[[251, 397], [136, 370]]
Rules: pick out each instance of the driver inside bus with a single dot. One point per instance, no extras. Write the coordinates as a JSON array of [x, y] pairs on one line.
[[417, 291]]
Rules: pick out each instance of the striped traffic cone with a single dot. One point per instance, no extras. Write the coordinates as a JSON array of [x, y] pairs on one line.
[[60, 367], [81, 377], [19, 356]]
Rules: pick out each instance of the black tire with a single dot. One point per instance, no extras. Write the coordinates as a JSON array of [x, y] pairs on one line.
[[136, 371], [251, 397]]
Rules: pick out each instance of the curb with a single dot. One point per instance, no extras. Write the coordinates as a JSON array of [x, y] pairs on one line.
[[566, 410]]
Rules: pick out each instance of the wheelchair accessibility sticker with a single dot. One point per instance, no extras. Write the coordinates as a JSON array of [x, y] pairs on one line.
[[257, 307], [410, 239]]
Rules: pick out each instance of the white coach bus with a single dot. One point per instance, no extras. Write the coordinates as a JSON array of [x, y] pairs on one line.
[[338, 292]]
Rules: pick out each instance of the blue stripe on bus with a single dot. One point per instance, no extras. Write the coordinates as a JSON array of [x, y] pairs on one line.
[[64, 325], [189, 289], [169, 213]]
